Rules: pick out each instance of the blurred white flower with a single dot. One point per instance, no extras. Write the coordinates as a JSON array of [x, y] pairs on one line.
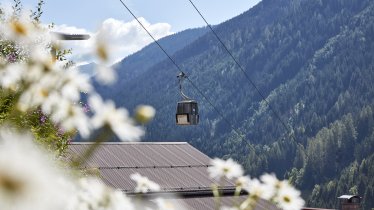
[[271, 183], [270, 179], [289, 198], [27, 34], [11, 75], [143, 184], [41, 54], [34, 96], [225, 168], [20, 29], [74, 84], [29, 179], [92, 194], [117, 119], [102, 47], [242, 182], [70, 117], [144, 113], [167, 204], [257, 190], [105, 74]]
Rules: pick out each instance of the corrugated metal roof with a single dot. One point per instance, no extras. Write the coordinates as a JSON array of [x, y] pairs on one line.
[[176, 166], [169, 179], [142, 155]]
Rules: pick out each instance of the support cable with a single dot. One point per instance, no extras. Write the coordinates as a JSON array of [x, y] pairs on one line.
[[180, 70], [244, 72]]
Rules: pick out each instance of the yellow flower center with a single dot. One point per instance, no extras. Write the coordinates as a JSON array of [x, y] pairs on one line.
[[102, 52], [226, 170], [10, 185], [286, 199], [239, 184], [19, 28], [44, 93], [255, 196], [71, 111], [278, 185]]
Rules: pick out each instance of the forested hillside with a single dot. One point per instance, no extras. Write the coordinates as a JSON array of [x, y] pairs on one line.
[[313, 60], [138, 63]]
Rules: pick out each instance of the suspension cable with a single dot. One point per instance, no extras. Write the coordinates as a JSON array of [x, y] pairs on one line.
[[244, 72], [180, 70]]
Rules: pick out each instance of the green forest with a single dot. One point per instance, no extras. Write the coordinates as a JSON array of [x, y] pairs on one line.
[[313, 60]]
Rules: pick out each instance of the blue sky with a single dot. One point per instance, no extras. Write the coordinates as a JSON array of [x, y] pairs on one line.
[[163, 17]]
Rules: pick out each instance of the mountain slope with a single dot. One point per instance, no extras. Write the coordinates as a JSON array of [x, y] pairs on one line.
[[312, 60], [139, 63]]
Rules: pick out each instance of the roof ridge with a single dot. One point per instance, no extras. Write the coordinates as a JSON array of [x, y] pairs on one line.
[[182, 190], [142, 167], [134, 142]]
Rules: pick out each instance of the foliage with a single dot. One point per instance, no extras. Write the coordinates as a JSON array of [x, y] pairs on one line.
[[45, 131]]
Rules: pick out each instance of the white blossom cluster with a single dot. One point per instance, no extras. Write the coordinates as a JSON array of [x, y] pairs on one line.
[[48, 84], [268, 187]]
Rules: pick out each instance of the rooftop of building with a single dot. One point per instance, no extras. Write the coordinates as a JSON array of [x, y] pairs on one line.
[[179, 169]]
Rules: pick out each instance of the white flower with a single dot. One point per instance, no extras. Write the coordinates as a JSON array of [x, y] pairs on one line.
[[143, 184], [41, 55], [74, 84], [20, 29], [105, 74], [93, 194], [102, 47], [27, 34], [29, 179], [116, 119], [167, 204], [225, 168], [34, 96], [69, 116], [144, 113], [271, 183], [289, 198], [257, 190], [242, 182], [11, 75]]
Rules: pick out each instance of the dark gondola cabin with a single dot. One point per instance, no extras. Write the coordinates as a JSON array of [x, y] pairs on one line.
[[187, 113]]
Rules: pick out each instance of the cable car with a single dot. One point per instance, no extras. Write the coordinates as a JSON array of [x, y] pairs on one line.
[[187, 109]]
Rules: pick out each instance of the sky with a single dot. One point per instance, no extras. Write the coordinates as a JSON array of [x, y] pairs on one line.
[[161, 17]]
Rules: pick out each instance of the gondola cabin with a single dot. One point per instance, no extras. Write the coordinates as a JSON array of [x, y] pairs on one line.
[[187, 113]]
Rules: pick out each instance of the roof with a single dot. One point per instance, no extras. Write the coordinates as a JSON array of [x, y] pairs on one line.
[[179, 169], [175, 166]]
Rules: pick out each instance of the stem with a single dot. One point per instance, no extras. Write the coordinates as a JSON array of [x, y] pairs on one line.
[[103, 136], [247, 204], [238, 189], [216, 195]]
